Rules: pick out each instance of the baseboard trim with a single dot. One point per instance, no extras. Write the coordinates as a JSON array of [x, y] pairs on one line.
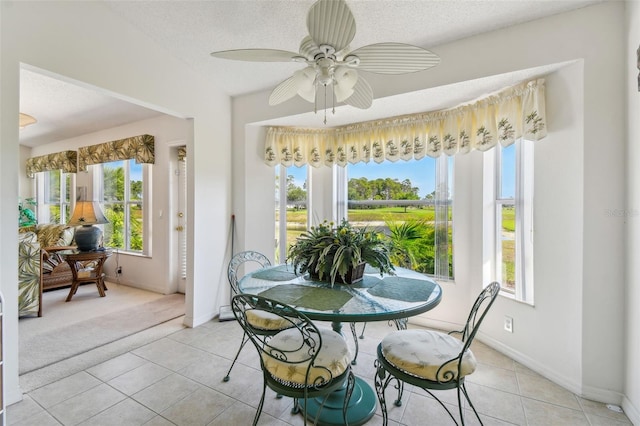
[[588, 392], [631, 411]]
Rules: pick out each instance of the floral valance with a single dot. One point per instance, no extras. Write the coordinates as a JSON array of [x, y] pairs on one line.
[[510, 114], [140, 148], [67, 161]]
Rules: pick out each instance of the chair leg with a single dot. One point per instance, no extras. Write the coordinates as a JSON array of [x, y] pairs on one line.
[[351, 382], [355, 340], [259, 410], [245, 339], [381, 381], [463, 388]]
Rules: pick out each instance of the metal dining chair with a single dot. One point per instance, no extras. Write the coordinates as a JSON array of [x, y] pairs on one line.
[[432, 360], [301, 361], [235, 263]]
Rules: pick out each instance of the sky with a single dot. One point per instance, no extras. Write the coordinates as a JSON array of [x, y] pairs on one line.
[[421, 173]]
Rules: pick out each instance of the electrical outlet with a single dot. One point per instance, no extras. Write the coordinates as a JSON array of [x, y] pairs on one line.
[[508, 324], [119, 270]]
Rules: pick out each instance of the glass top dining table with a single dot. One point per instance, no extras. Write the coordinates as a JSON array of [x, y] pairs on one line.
[[375, 298]]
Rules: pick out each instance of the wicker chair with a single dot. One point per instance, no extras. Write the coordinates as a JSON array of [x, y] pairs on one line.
[[300, 361], [432, 360], [232, 274]]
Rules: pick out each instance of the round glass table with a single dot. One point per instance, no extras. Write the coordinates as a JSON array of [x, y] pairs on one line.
[[375, 298]]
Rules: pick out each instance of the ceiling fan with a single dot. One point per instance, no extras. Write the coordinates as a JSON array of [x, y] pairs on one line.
[[331, 65]]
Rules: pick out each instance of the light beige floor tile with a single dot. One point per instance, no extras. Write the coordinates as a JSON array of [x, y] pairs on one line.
[[116, 366], [22, 410], [171, 354], [242, 414], [41, 419], [245, 385], [524, 370], [139, 378], [486, 355], [494, 377], [606, 421], [85, 405], [540, 413], [537, 387], [600, 409], [495, 403], [127, 412], [422, 410], [198, 408], [159, 421], [166, 392], [56, 392], [189, 335]]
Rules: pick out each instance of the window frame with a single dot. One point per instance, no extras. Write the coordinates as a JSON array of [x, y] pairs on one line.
[[523, 233], [44, 204], [98, 189]]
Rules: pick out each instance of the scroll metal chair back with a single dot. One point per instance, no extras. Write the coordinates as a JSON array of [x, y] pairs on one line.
[[238, 260], [432, 360], [301, 361]]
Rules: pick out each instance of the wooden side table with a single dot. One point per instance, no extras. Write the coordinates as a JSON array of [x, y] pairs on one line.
[[75, 258]]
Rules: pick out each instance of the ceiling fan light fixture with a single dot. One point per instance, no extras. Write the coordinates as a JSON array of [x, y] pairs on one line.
[[26, 120], [327, 53]]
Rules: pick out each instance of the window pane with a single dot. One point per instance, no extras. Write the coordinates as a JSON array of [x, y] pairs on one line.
[[296, 203], [113, 184], [135, 230], [507, 188], [114, 230], [400, 200], [135, 179], [278, 168], [508, 247]]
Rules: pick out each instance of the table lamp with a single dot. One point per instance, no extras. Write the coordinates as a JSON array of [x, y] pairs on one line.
[[85, 215]]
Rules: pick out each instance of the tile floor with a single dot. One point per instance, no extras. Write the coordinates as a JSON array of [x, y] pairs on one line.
[[177, 380]]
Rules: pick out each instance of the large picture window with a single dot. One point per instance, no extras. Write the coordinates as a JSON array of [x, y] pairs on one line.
[[122, 188], [411, 202]]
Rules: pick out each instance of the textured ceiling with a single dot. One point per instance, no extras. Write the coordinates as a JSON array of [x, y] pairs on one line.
[[191, 30]]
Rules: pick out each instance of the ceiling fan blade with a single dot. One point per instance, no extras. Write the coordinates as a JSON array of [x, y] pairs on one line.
[[394, 58], [344, 81], [257, 55], [330, 22], [285, 90], [362, 95]]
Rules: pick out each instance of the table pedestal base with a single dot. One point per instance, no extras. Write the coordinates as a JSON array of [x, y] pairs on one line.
[[362, 406]]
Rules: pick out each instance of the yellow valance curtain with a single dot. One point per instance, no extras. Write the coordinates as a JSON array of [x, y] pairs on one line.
[[512, 113], [140, 148], [67, 161]]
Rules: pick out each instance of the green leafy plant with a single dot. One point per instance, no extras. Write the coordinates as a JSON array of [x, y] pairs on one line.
[[329, 251]]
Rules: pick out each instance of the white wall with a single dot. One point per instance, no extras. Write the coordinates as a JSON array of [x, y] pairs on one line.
[[155, 272], [631, 404], [576, 325], [86, 42]]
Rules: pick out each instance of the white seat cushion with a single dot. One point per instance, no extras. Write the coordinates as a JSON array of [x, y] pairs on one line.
[[333, 358], [267, 320], [422, 352]]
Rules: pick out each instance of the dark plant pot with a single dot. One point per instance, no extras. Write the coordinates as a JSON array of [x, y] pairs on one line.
[[353, 275]]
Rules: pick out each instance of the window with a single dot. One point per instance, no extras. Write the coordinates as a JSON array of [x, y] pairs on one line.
[[122, 187], [292, 202], [508, 223], [54, 196], [411, 202]]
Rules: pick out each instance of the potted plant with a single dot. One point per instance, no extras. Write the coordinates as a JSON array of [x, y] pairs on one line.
[[339, 253]]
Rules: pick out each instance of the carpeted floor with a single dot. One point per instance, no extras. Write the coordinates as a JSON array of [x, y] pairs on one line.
[[88, 321]]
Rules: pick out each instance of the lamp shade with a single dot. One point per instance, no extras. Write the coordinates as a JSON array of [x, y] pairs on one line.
[[86, 214]]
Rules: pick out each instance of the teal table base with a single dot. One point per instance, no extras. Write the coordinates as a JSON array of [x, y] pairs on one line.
[[362, 406]]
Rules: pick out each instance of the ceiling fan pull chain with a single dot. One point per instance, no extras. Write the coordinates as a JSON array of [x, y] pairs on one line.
[[325, 104]]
